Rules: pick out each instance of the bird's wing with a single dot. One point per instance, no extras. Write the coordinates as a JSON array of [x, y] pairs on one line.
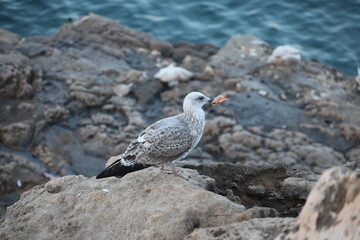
[[164, 141]]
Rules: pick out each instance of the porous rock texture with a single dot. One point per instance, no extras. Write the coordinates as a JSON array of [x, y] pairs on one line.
[[331, 210], [255, 229], [77, 207]]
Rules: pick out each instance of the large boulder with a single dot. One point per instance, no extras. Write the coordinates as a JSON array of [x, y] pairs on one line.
[[146, 204], [331, 210]]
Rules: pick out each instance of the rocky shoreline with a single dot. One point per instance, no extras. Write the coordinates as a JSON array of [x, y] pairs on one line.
[[71, 100]]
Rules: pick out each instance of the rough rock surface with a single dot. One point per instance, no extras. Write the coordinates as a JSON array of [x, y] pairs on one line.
[[17, 174], [331, 210], [256, 229], [81, 208], [274, 186]]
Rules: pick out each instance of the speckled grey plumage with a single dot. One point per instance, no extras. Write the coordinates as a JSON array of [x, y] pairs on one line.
[[166, 140]]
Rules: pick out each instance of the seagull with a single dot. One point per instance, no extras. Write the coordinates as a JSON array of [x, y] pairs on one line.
[[166, 140]]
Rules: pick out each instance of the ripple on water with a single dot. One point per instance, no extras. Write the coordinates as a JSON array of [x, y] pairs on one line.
[[326, 30]]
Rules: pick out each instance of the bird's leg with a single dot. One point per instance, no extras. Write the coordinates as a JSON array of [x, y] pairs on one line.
[[178, 174], [163, 170], [174, 169]]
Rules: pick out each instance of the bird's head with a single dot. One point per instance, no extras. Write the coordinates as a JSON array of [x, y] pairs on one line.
[[195, 100]]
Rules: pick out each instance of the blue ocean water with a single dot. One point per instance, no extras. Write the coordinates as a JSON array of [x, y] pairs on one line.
[[328, 30]]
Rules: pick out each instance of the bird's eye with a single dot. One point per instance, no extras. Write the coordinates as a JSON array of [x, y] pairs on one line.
[[201, 98]]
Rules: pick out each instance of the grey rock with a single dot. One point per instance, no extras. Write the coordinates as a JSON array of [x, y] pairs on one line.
[[8, 40], [17, 135]]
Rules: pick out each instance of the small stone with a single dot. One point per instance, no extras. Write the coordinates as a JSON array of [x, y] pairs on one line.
[[209, 71], [263, 92], [283, 96], [155, 53], [122, 90], [19, 183]]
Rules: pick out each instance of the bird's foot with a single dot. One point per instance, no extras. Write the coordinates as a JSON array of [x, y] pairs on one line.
[[173, 171], [182, 176]]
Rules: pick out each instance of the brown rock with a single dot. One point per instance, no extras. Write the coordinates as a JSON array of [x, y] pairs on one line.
[[259, 229], [146, 204], [17, 174]]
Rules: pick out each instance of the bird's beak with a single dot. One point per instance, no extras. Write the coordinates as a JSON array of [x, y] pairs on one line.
[[210, 100]]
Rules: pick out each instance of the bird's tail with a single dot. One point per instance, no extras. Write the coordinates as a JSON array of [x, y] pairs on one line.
[[117, 169]]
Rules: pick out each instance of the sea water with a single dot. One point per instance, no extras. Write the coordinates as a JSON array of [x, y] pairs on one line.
[[327, 30]]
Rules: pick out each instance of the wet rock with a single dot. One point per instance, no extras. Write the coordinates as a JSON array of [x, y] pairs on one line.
[[260, 229], [174, 205], [331, 210]]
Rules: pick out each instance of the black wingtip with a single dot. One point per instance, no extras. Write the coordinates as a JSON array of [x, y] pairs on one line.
[[118, 170]]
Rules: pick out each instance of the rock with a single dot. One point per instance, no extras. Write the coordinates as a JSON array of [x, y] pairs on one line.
[[272, 186], [209, 71], [77, 205], [239, 55], [259, 229], [331, 210], [122, 90], [8, 40], [17, 78], [17, 135], [17, 174], [102, 118], [32, 49], [354, 155], [55, 113], [165, 48], [296, 187]]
